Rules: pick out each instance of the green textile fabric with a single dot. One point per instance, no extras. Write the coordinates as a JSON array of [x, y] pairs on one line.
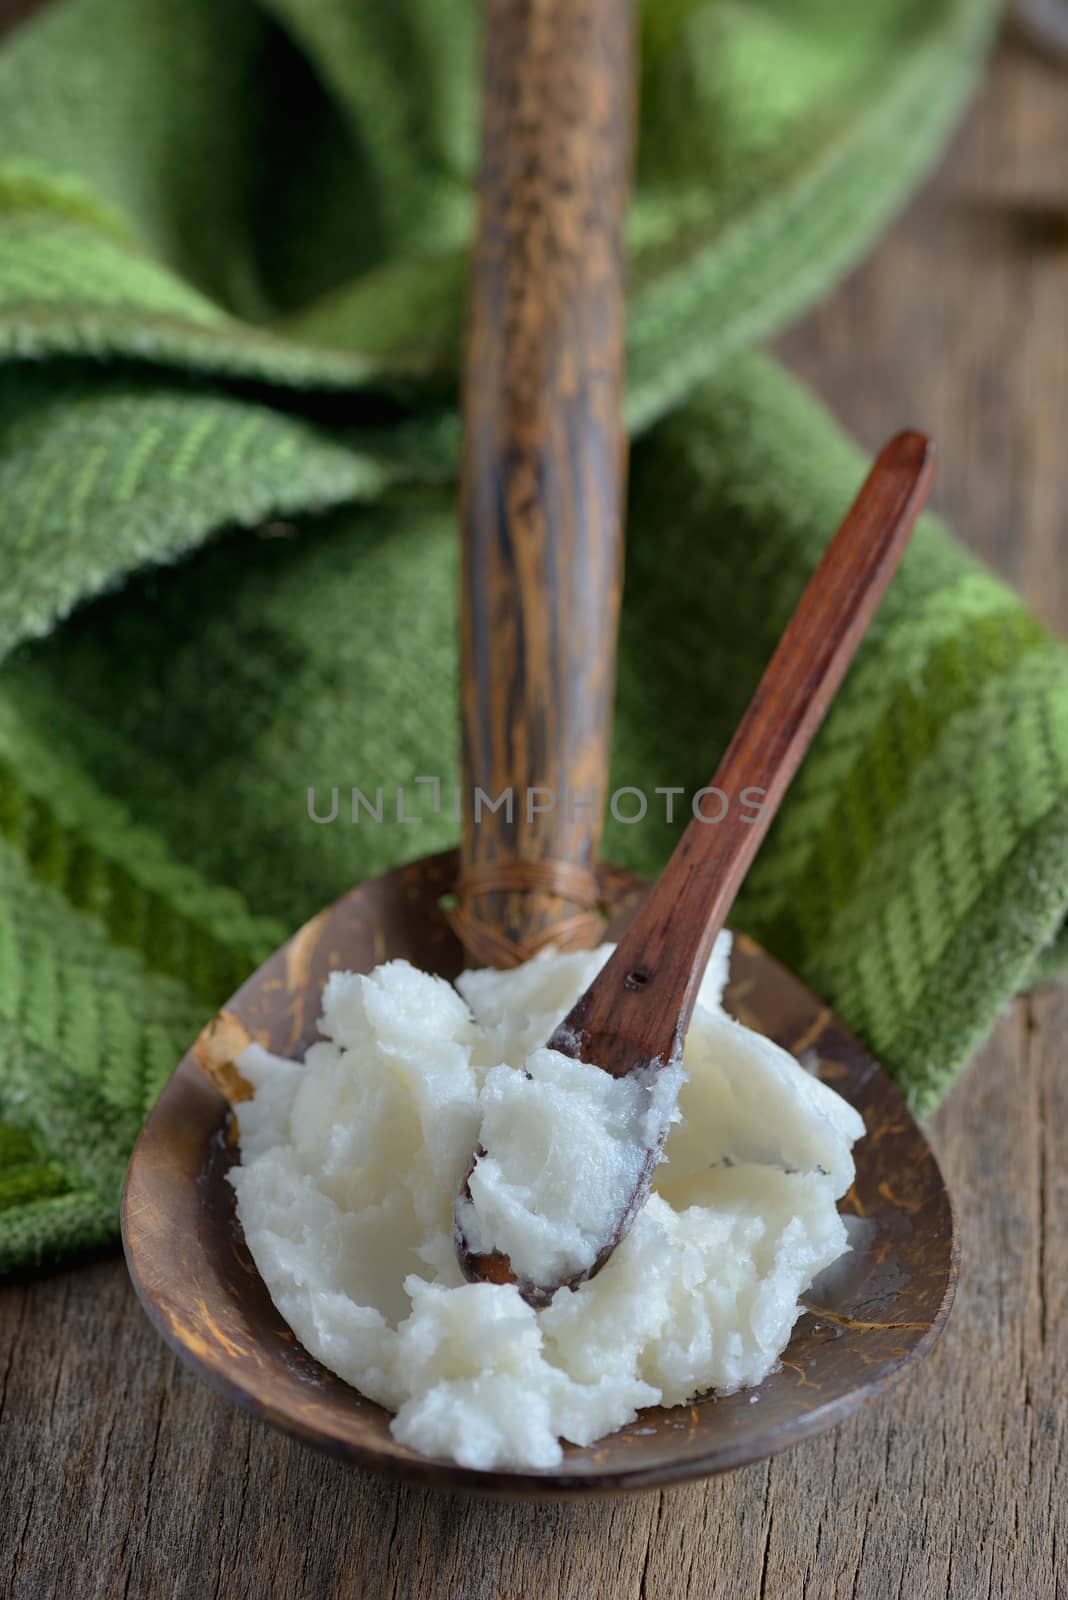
[[232, 244]]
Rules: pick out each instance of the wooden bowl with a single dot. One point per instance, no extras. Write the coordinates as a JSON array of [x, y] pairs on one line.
[[878, 1309]]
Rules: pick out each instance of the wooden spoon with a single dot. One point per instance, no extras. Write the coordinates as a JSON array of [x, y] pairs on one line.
[[633, 1018], [542, 491]]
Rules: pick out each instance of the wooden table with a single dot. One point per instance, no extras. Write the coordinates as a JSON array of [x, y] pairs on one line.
[[121, 1475]]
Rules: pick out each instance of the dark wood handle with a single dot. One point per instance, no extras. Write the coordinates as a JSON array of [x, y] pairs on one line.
[[639, 1007], [543, 467]]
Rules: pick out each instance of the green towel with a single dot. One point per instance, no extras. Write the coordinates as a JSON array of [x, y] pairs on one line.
[[231, 272]]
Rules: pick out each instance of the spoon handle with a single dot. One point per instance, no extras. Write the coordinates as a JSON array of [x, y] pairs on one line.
[[638, 1009], [543, 470]]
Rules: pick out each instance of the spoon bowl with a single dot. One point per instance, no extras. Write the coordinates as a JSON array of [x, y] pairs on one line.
[[541, 512], [872, 1314]]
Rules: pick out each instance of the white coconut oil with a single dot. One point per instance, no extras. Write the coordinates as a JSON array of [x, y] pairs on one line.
[[351, 1164]]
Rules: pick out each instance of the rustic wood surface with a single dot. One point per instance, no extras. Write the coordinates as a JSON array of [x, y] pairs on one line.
[[121, 1475]]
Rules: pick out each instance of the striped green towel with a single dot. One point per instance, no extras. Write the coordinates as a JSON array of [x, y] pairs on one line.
[[231, 270]]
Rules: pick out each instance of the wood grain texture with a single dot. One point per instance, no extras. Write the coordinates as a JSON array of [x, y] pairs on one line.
[[121, 1475], [542, 483]]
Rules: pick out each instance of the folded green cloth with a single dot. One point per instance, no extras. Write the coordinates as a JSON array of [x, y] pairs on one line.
[[231, 272]]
